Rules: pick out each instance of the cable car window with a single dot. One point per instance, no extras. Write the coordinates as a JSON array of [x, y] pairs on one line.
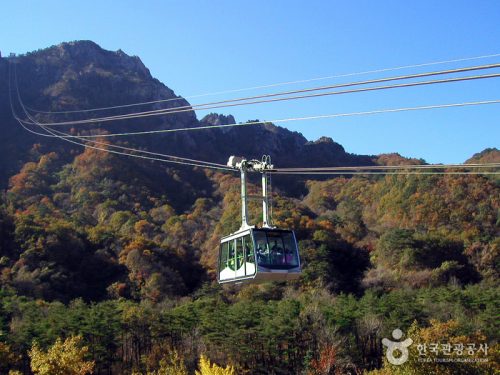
[[223, 255], [289, 254], [249, 253], [240, 271], [231, 261], [262, 249], [225, 270], [277, 248]]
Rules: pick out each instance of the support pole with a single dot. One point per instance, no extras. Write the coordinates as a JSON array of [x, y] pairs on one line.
[[263, 166], [265, 202], [244, 207]]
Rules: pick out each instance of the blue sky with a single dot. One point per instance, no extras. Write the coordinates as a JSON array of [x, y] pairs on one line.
[[196, 47]]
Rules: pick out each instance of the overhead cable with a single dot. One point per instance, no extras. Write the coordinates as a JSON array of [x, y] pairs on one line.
[[385, 167], [274, 85], [279, 121], [354, 170], [279, 172], [57, 134], [265, 98], [386, 173], [305, 170]]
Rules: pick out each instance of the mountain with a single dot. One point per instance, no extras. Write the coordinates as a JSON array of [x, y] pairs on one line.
[[80, 75]]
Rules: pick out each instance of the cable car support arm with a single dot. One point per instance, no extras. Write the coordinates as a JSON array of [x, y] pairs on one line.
[[263, 166]]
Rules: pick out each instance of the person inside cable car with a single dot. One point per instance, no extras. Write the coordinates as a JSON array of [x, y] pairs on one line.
[[276, 253], [288, 258], [262, 251], [231, 257]]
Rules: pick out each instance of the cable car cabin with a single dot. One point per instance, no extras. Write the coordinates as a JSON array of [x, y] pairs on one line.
[[258, 254]]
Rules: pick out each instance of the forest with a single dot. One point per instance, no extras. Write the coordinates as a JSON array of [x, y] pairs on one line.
[[101, 274]]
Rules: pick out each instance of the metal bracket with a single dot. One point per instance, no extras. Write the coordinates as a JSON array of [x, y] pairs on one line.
[[262, 166]]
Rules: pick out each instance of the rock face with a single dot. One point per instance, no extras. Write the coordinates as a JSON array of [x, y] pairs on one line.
[[216, 119], [81, 75]]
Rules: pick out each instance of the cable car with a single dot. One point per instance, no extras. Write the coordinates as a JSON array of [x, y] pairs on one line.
[[257, 254]]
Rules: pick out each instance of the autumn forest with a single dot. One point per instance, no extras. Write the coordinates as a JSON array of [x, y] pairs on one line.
[[108, 263]]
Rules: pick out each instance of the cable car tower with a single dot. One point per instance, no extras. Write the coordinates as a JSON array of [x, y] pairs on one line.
[[254, 254]]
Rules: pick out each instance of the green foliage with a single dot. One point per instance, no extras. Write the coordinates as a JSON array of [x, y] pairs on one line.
[[432, 258], [171, 364], [333, 262], [251, 331], [350, 220], [102, 254]]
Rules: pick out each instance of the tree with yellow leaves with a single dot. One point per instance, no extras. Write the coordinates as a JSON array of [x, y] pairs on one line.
[[62, 358], [171, 364], [207, 368]]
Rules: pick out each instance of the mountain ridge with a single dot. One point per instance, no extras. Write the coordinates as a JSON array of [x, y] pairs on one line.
[[82, 75]]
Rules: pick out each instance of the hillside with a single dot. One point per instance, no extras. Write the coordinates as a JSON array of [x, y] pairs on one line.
[[122, 252]]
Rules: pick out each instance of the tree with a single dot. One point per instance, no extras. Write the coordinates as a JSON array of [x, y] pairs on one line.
[[350, 215], [171, 364], [207, 368], [7, 358], [325, 364], [62, 358]]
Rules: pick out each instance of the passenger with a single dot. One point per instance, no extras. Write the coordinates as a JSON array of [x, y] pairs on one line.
[[276, 253], [260, 254], [275, 247], [230, 262]]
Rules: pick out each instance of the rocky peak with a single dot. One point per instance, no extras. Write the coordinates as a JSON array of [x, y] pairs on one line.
[[218, 119], [326, 143], [325, 140], [87, 52]]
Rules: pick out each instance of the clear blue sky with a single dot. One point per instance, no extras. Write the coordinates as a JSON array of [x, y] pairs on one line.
[[204, 46]]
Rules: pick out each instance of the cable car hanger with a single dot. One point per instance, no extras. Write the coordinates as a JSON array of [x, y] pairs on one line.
[[263, 166]]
